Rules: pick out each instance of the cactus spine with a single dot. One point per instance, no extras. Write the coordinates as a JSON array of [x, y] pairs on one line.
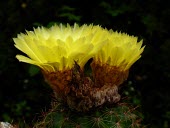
[[119, 115]]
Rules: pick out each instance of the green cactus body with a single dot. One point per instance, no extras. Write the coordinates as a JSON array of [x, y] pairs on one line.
[[120, 115]]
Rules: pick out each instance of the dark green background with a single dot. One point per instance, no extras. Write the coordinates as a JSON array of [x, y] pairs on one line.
[[24, 95]]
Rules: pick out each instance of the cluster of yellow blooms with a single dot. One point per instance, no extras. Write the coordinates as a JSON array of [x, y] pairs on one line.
[[55, 50], [58, 47]]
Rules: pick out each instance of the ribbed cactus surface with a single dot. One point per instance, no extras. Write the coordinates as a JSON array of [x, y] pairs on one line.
[[119, 115]]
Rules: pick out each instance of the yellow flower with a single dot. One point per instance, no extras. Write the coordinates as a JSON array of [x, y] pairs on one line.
[[57, 48], [111, 64], [121, 50]]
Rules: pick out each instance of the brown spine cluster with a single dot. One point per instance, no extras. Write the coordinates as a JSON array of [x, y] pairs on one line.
[[82, 93]]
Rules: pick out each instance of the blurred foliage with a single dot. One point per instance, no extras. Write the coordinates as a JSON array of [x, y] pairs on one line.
[[23, 91]]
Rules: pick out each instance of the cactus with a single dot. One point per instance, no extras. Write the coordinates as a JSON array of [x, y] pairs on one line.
[[119, 115], [112, 112], [83, 100]]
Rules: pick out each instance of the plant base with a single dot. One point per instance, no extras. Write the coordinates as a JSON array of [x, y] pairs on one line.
[[119, 115]]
